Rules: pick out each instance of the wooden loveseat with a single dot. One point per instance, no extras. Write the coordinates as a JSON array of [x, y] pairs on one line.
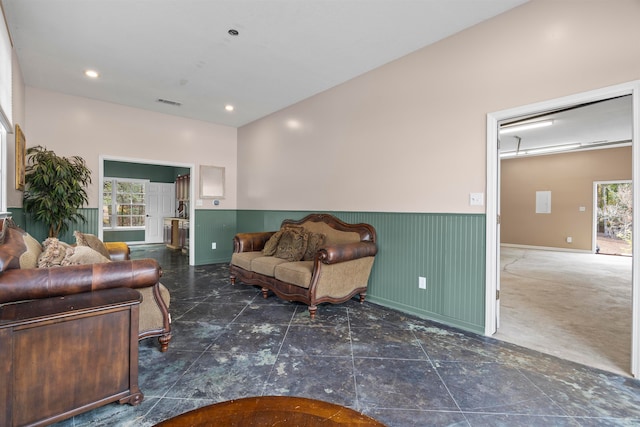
[[314, 260]]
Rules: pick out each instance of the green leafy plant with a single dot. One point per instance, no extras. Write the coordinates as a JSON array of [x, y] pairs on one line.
[[55, 188]]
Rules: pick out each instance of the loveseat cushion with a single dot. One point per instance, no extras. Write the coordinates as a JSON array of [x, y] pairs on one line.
[[80, 255], [84, 239], [292, 244], [17, 248], [266, 265], [297, 273], [243, 259]]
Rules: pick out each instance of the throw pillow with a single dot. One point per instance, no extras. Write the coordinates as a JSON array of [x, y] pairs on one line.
[[18, 248], [83, 255], [53, 254], [83, 239], [315, 242], [292, 244], [270, 247]]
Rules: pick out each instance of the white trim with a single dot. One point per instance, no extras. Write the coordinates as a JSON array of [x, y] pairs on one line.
[[545, 248], [191, 166], [492, 246]]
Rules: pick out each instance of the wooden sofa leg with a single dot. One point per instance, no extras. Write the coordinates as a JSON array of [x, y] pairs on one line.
[[265, 293], [164, 342], [312, 311], [233, 280], [363, 295]]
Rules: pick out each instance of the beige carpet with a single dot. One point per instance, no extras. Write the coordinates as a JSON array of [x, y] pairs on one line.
[[572, 305]]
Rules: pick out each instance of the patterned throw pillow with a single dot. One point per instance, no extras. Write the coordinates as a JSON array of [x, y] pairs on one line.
[[315, 242], [83, 239], [292, 244], [272, 244]]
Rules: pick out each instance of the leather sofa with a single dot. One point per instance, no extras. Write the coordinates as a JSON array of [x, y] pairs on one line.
[[20, 280], [335, 264]]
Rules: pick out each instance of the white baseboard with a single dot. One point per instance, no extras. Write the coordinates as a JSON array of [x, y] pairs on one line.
[[545, 248]]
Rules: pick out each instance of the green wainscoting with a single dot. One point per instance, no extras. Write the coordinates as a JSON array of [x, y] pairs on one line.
[[41, 231], [211, 226], [131, 236], [447, 249]]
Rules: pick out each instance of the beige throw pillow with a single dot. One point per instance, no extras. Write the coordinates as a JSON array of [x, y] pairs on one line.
[[81, 255], [83, 239]]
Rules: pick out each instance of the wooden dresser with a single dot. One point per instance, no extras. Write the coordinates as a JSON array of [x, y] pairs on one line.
[[63, 356]]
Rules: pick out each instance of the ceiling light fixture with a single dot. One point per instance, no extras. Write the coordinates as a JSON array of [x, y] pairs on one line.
[[233, 32], [92, 74], [229, 107], [526, 126]]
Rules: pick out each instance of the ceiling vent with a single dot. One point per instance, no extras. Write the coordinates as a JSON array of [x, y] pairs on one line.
[[169, 102]]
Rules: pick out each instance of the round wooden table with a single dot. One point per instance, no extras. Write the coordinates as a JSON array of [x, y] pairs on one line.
[[270, 411]]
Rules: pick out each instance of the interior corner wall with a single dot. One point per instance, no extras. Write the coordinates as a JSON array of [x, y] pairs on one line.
[[410, 136], [570, 178]]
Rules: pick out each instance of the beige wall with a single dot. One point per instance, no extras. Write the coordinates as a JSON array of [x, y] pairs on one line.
[[14, 197], [71, 125], [410, 136], [570, 179]]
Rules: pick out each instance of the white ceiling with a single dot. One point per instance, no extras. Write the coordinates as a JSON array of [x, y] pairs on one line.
[[180, 50], [600, 124]]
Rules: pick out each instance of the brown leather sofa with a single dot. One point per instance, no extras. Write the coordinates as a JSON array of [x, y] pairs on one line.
[[335, 266], [18, 283]]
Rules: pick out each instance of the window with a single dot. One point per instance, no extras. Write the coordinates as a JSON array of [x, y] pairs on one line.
[[123, 203]]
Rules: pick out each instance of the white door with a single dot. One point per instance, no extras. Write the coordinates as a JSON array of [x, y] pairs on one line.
[[161, 201]]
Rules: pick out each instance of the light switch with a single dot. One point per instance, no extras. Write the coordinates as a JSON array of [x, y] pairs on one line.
[[476, 199]]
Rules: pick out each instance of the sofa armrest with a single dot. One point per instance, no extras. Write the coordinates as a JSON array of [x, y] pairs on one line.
[[347, 251], [118, 251], [33, 283], [251, 242]]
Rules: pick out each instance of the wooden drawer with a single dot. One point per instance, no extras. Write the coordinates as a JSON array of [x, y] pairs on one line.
[[63, 356]]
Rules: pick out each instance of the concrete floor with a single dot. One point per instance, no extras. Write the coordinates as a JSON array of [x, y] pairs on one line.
[[572, 305]]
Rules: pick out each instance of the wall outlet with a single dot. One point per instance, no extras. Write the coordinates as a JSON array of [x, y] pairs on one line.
[[569, 239], [422, 282], [213, 245]]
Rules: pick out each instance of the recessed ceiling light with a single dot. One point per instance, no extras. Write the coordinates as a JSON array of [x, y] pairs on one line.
[[229, 107], [233, 32], [92, 74]]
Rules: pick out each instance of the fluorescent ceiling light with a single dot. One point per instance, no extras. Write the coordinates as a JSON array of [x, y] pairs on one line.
[[526, 126], [552, 149]]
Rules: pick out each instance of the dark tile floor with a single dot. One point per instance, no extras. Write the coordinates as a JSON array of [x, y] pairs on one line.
[[228, 342]]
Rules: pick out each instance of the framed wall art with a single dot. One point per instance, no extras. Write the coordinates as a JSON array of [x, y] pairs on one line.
[[20, 158]]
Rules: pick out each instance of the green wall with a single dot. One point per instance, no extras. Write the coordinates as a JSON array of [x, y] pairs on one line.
[[154, 173], [447, 249]]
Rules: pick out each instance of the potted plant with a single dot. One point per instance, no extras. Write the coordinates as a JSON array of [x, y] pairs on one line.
[[55, 188]]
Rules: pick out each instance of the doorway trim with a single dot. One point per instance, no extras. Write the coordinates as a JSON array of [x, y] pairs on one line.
[[492, 276], [191, 167]]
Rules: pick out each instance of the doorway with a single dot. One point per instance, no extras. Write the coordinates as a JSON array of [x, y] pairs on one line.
[[613, 206], [189, 167], [493, 267]]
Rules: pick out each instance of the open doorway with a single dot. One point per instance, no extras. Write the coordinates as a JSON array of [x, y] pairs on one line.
[[535, 111], [614, 217], [135, 167]]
